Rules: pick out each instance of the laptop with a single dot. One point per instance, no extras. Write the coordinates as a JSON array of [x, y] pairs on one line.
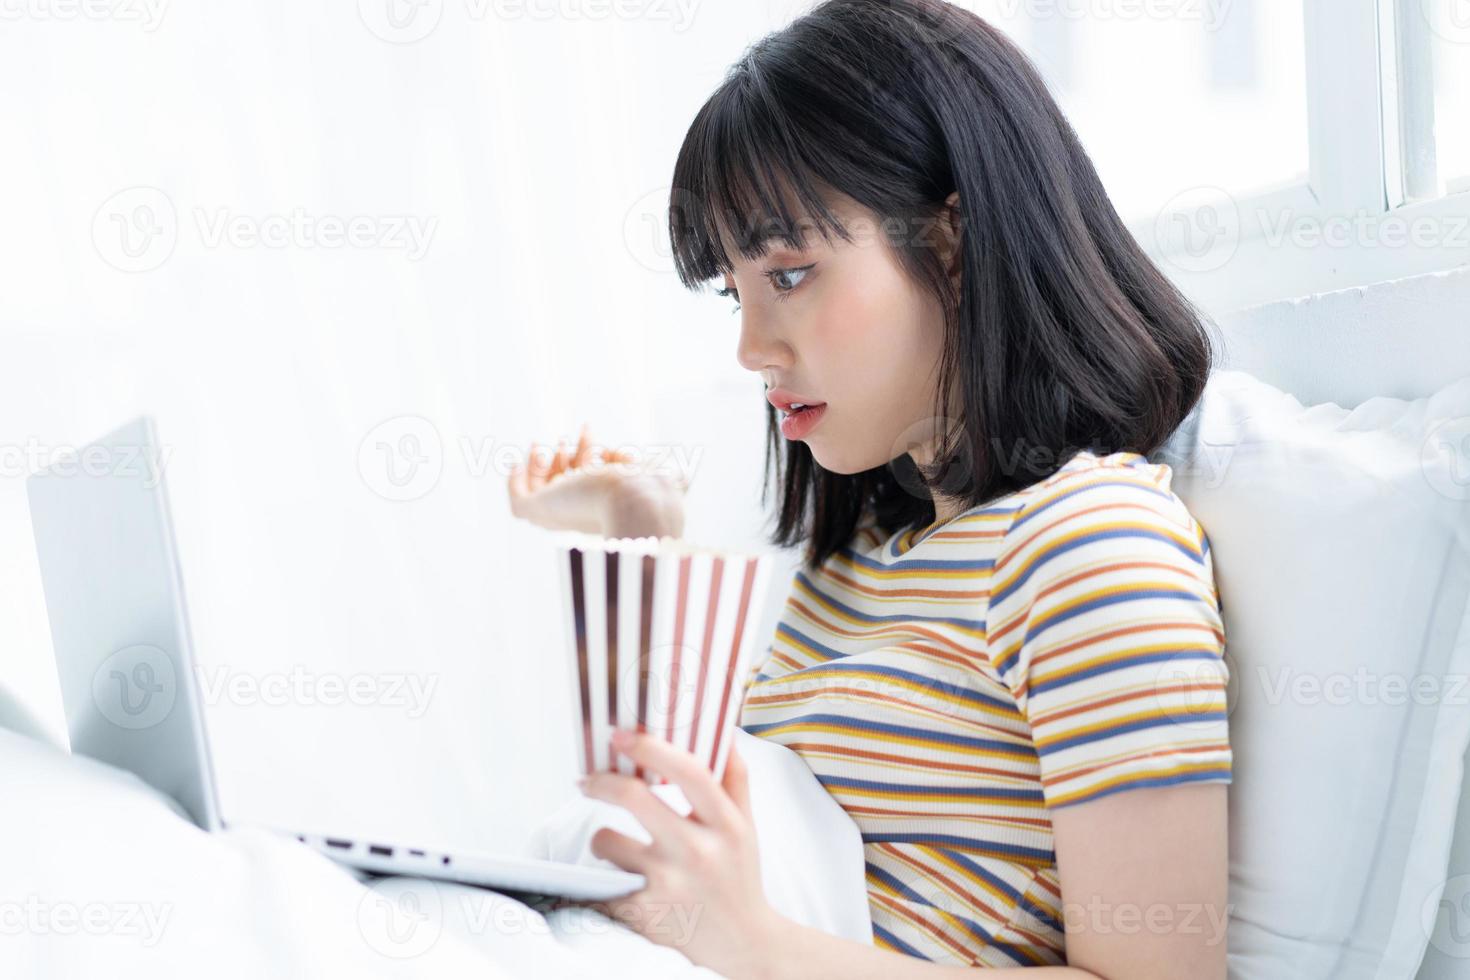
[[115, 600]]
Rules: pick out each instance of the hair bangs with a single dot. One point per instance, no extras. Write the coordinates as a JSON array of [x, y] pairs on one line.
[[742, 182]]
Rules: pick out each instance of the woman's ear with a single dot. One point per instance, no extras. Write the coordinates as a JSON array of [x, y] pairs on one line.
[[951, 234]]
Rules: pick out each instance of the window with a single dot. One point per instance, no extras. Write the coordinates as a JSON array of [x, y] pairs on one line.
[[1431, 99], [1261, 149], [1173, 96]]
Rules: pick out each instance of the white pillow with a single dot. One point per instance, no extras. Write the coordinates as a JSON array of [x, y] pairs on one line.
[[1341, 544]]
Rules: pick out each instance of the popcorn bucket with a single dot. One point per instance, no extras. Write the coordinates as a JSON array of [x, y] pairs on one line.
[[660, 639]]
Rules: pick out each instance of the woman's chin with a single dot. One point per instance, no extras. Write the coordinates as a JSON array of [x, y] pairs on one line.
[[841, 463]]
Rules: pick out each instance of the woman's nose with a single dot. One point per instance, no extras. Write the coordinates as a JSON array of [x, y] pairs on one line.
[[759, 348]]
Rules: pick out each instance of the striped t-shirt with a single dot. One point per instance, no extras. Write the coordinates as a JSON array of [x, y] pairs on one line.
[[951, 685]]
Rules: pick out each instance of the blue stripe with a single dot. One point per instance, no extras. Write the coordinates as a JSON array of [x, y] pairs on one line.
[[1198, 776], [917, 564], [897, 943], [796, 636], [1107, 600], [1122, 664], [932, 684], [895, 883], [906, 618], [1040, 914], [1132, 726], [1118, 532], [1092, 485], [971, 792], [976, 511], [971, 926], [1020, 901], [885, 728], [1032, 854], [1000, 885]]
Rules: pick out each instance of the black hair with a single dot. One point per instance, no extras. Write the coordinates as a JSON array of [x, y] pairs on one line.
[[1062, 335]]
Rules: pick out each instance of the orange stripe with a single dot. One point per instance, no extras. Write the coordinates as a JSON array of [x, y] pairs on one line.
[[896, 905], [880, 592], [1222, 768], [1030, 611], [802, 697], [1095, 638], [1155, 754], [1110, 506], [1048, 718], [903, 760], [877, 632], [958, 891]]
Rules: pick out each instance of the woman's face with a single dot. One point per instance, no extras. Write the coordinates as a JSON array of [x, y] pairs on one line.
[[841, 325]]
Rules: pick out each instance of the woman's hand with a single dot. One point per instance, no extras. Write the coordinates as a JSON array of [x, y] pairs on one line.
[[595, 491], [703, 895]]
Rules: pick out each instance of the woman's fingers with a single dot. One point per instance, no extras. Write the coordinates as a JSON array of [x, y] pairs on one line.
[[542, 464], [708, 800], [535, 468], [626, 852], [583, 440], [520, 481], [737, 781], [667, 827]]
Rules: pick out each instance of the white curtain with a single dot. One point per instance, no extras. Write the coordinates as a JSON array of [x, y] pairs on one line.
[[178, 185]]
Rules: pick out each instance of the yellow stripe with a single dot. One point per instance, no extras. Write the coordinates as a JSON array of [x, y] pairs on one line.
[[885, 738], [889, 681], [884, 629], [1051, 540], [1114, 722], [1113, 656]]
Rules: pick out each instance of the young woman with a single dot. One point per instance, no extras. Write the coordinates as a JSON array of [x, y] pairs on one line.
[[1003, 652]]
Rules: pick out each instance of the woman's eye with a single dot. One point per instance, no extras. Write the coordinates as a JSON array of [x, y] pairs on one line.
[[782, 281], [781, 278]]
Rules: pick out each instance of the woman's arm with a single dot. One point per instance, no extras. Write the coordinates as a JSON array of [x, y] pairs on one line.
[[1143, 876]]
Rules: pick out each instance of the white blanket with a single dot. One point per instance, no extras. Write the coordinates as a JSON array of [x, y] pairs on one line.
[[101, 876]]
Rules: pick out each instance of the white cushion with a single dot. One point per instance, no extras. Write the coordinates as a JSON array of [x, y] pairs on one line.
[[1341, 542]]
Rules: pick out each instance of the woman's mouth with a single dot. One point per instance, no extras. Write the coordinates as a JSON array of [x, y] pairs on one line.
[[797, 422]]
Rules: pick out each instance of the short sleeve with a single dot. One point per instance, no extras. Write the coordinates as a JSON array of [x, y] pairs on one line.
[[1105, 624]]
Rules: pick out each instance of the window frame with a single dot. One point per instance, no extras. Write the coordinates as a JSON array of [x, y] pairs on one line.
[[1357, 53]]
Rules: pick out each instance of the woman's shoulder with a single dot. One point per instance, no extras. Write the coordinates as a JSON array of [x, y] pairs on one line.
[[1099, 504], [1090, 490], [1101, 601], [1102, 484], [1086, 466]]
